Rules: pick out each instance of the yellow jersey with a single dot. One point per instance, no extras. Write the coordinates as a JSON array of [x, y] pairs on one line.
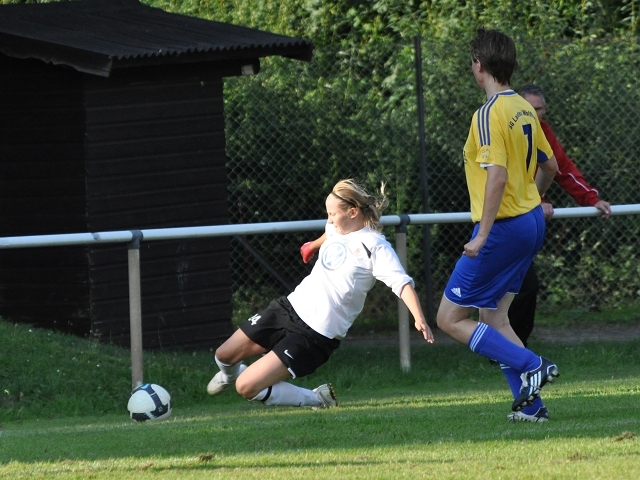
[[505, 131]]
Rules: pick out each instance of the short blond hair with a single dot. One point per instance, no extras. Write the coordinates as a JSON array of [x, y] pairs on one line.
[[351, 194]]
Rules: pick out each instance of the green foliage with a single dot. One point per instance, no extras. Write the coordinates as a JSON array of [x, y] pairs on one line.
[[283, 17], [366, 126], [295, 129], [367, 24]]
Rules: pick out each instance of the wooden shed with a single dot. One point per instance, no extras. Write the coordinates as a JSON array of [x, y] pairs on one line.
[[112, 119]]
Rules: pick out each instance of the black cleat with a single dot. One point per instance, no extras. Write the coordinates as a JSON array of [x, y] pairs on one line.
[[533, 381]]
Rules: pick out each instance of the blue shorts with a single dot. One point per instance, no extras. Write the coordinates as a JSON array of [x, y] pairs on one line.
[[501, 264]]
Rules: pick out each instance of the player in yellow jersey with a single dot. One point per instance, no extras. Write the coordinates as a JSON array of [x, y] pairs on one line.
[[504, 147]]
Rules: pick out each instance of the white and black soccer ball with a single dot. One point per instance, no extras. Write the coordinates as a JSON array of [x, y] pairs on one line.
[[149, 402]]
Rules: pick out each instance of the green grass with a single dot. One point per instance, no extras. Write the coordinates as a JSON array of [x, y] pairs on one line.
[[63, 416]]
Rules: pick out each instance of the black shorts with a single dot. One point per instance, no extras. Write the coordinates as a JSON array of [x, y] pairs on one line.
[[279, 329]]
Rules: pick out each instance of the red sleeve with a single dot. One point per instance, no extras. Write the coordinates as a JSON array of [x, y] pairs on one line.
[[569, 178]]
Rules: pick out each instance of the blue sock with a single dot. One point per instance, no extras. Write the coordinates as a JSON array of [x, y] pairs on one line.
[[513, 379], [534, 407], [515, 382], [490, 343]]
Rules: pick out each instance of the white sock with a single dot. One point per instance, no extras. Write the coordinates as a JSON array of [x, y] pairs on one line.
[[229, 372], [286, 394]]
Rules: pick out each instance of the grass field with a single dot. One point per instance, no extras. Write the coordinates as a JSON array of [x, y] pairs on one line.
[[63, 415]]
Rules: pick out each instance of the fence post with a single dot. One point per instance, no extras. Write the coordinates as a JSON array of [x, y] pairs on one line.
[[424, 186], [403, 311], [135, 309]]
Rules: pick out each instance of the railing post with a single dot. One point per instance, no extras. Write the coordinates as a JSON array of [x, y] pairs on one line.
[[135, 309], [403, 311]]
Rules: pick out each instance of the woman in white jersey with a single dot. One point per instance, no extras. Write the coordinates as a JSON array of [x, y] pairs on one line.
[[297, 334]]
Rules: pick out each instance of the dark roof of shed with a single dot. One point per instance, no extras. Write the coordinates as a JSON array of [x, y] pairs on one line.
[[96, 36]]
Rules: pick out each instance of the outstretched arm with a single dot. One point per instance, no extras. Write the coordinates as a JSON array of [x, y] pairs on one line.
[[410, 299], [570, 178], [572, 181], [309, 249]]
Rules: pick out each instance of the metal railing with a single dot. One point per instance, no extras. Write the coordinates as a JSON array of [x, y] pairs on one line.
[[133, 238]]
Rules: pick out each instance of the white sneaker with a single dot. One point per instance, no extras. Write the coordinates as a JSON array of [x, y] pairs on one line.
[[542, 415], [326, 395], [217, 386]]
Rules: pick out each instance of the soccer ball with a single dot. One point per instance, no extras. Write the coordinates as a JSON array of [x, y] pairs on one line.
[[149, 402]]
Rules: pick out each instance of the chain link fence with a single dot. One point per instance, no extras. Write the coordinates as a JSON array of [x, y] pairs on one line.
[[296, 128]]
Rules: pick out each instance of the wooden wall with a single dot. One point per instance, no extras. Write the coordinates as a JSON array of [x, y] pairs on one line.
[[42, 191], [141, 149], [155, 156]]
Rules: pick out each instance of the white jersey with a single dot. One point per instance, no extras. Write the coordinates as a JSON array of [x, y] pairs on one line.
[[332, 296]]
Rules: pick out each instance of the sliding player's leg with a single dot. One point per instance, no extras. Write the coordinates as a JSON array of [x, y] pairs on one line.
[[263, 381]]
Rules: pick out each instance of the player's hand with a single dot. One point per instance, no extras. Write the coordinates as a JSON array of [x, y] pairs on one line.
[[423, 328], [547, 210], [307, 252], [472, 248], [604, 207]]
